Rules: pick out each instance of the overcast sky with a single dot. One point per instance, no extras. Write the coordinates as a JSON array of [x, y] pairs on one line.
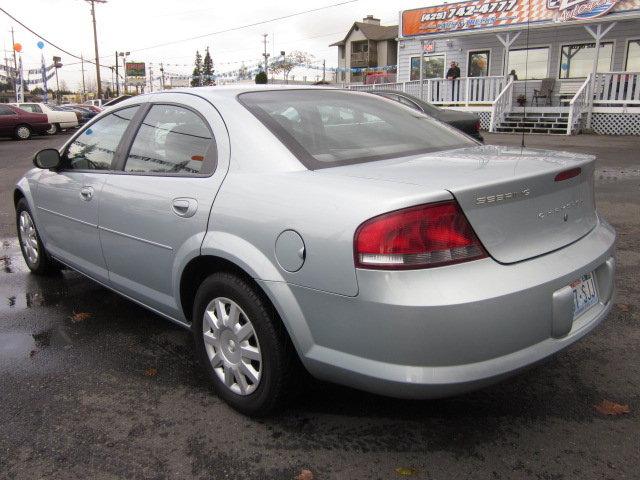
[[133, 25]]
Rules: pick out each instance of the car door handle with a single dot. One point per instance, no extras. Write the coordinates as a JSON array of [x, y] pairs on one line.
[[184, 207], [86, 193]]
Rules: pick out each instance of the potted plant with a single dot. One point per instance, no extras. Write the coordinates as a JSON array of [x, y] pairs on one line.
[[521, 100]]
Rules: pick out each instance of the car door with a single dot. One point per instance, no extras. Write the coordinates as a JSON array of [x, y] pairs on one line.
[[68, 198], [154, 213], [7, 120]]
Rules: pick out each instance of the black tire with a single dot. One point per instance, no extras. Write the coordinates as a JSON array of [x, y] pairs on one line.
[[22, 132], [44, 265], [279, 362], [55, 128]]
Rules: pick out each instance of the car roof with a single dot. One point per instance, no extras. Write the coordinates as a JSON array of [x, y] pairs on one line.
[[230, 91]]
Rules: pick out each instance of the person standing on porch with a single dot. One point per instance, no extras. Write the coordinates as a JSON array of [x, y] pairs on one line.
[[453, 74]]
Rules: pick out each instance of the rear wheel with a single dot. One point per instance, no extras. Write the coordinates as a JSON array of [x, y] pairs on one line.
[[242, 345], [53, 129], [35, 256], [22, 132]]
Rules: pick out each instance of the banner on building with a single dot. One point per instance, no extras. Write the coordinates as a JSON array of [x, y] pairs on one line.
[[479, 14]]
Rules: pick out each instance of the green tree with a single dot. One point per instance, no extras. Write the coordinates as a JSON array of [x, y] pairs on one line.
[[196, 78], [207, 69], [261, 77], [285, 64]]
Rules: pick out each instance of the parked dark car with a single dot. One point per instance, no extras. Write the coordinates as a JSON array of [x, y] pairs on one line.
[[467, 122], [115, 101], [84, 114], [20, 124]]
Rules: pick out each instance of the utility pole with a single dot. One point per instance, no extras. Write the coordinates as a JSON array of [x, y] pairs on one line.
[[15, 65], [117, 80], [266, 56], [84, 90], [95, 42], [150, 77], [324, 72], [162, 75]]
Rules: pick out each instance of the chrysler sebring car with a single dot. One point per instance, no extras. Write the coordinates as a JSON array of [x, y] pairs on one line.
[[337, 233]]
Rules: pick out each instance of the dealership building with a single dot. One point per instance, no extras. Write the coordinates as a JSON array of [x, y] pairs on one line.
[[539, 66]]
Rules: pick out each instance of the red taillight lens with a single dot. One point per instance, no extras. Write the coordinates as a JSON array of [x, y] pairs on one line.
[[567, 174], [477, 126], [418, 237]]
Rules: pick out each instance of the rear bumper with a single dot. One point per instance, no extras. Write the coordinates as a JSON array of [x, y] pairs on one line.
[[437, 332]]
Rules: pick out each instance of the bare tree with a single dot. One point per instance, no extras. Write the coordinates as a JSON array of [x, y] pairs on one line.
[[90, 84], [289, 62]]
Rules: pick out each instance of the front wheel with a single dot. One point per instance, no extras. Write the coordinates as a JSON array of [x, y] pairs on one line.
[[53, 129], [35, 256], [22, 132], [242, 345]]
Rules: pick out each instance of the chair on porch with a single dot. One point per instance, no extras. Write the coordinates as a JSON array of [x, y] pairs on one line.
[[545, 90]]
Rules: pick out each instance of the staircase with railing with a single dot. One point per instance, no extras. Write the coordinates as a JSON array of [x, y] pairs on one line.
[[501, 106], [578, 107]]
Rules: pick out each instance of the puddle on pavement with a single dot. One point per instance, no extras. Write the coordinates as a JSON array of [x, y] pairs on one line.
[[18, 346]]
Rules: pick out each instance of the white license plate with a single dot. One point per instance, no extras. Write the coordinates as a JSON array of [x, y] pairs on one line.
[[585, 294]]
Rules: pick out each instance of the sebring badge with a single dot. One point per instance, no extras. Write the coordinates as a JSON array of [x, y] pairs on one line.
[[501, 197]]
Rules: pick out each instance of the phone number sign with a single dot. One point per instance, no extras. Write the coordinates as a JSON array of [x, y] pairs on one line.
[[478, 14]]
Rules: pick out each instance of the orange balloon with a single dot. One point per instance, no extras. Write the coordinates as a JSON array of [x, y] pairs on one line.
[[17, 47]]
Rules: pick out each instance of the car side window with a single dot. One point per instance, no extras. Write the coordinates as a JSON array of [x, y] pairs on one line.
[[96, 146], [4, 110], [171, 139], [31, 108]]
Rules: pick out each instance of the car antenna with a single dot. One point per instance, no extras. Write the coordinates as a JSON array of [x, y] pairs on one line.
[[526, 72]]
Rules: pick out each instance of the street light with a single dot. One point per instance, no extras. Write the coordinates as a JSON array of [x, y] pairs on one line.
[[124, 56], [57, 65]]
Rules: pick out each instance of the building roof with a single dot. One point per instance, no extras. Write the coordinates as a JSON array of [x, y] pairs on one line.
[[371, 32]]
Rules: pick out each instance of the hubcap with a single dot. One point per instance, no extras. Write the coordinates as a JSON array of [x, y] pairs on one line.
[[232, 346], [28, 238], [23, 132]]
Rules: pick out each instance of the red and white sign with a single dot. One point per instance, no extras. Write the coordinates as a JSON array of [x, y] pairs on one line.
[[480, 14]]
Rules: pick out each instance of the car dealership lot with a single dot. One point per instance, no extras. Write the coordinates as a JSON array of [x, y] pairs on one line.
[[94, 386]]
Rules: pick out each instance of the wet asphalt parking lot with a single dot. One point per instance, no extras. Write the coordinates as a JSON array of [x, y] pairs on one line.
[[94, 387]]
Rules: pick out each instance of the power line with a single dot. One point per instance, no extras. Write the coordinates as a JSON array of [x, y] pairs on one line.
[[240, 27]]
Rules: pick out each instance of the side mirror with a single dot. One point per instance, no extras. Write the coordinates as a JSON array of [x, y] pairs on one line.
[[47, 158]]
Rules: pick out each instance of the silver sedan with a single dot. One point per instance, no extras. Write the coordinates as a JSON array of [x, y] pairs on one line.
[[337, 233]]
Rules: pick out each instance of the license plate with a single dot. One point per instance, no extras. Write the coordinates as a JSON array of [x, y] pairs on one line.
[[585, 294]]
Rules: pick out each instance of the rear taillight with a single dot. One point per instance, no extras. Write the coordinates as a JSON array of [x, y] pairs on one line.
[[477, 126], [425, 236]]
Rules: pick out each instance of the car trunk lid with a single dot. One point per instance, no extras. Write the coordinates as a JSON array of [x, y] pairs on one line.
[[510, 195]]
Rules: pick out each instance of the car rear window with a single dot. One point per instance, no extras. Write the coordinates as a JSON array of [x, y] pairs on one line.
[[327, 128]]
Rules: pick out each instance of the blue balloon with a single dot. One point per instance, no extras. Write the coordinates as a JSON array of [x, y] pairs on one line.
[[40, 45]]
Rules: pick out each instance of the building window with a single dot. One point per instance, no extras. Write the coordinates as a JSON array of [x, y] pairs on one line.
[[529, 64], [433, 67], [478, 64], [357, 47], [633, 56], [576, 61]]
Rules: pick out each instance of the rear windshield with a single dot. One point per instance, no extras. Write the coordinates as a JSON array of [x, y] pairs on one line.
[[326, 128]]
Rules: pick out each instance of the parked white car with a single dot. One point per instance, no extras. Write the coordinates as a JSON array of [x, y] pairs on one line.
[[96, 102], [59, 120]]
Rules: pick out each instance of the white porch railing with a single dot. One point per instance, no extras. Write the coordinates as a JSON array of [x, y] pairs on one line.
[[501, 106], [440, 91], [578, 106], [617, 88]]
